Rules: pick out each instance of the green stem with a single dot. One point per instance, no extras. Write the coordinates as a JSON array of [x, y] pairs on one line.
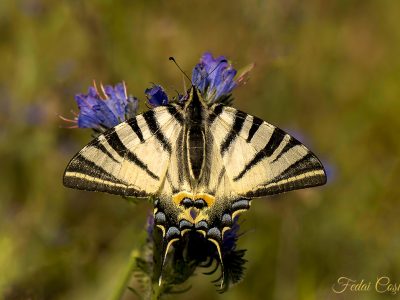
[[122, 287], [156, 292]]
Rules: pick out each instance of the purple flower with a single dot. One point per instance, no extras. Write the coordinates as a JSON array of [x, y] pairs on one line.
[[150, 225], [156, 96], [99, 113], [214, 77], [111, 105], [230, 237]]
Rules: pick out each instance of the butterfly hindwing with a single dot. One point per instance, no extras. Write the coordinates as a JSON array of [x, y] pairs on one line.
[[261, 159], [129, 159]]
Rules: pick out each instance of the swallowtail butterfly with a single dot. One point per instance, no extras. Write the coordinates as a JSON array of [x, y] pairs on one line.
[[203, 163]]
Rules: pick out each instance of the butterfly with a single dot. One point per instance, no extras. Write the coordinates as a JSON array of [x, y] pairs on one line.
[[201, 162]]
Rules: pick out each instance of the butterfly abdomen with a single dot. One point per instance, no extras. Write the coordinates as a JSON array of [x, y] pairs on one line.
[[195, 146], [195, 137]]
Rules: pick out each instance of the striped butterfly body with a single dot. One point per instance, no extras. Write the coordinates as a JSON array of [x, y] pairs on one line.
[[202, 163]]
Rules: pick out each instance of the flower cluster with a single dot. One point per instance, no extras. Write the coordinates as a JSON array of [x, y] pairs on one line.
[[213, 77], [105, 109]]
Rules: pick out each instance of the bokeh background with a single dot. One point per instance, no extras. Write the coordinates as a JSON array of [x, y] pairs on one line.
[[326, 71]]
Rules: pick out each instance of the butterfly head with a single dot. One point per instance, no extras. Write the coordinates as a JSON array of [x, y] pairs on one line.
[[194, 98]]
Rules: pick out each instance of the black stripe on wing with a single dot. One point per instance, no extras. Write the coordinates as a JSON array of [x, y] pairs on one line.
[[103, 149], [99, 179], [218, 109], [115, 142], [273, 143], [176, 114], [154, 127], [308, 164], [136, 129], [235, 129], [84, 166], [257, 122], [291, 144]]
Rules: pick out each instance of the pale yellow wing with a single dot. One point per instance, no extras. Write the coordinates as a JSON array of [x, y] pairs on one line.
[[130, 159], [260, 159]]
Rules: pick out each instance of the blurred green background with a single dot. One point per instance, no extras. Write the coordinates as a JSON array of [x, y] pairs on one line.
[[327, 71]]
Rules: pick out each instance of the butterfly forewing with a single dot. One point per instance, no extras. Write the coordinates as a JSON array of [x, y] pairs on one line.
[[130, 159], [261, 159]]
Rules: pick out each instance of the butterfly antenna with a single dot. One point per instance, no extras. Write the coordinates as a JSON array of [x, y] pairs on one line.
[[183, 72]]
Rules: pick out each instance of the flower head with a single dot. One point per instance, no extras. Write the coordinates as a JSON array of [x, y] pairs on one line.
[[156, 96], [214, 77], [230, 237], [100, 113]]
